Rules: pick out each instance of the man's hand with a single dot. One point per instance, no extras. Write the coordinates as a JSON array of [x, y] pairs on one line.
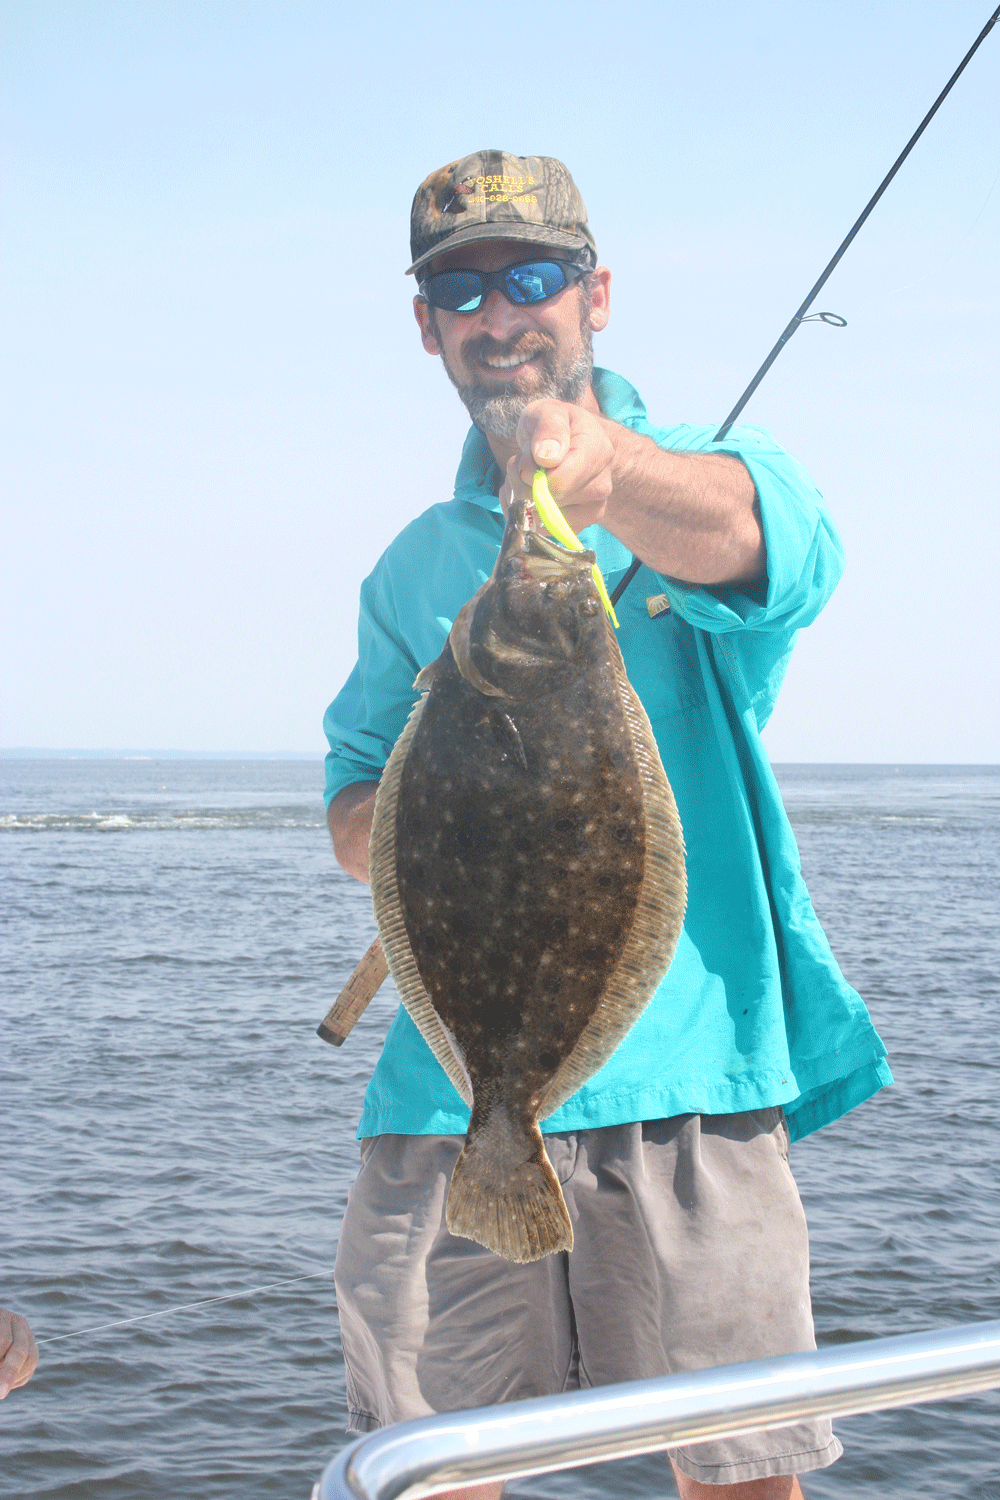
[[691, 516], [576, 450], [349, 818], [18, 1352]]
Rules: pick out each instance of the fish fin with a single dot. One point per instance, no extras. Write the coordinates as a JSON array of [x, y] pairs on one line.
[[505, 1195], [425, 677], [460, 641], [389, 912], [656, 924], [505, 732]]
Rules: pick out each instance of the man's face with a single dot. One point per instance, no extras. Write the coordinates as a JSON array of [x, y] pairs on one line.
[[502, 357]]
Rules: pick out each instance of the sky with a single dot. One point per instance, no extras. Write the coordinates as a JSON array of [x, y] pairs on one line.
[[216, 412]]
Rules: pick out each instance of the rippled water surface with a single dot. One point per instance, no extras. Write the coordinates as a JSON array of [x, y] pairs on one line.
[[174, 1131]]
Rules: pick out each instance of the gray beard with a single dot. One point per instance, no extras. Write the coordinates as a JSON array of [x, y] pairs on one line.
[[497, 411]]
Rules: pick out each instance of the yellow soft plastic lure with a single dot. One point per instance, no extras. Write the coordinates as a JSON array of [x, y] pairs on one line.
[[556, 525]]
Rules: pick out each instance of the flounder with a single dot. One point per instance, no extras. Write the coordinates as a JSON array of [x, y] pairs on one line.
[[527, 873]]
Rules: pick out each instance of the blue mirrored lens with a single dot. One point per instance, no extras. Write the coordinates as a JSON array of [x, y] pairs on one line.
[[535, 281], [456, 291]]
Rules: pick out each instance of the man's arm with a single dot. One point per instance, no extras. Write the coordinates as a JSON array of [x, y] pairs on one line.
[[349, 818], [691, 516]]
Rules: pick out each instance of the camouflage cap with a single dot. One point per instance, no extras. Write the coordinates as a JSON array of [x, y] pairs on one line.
[[493, 196]]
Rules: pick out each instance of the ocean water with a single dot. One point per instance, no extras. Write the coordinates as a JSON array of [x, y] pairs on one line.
[[172, 1130]]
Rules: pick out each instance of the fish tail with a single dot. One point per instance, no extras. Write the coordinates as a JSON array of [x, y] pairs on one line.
[[504, 1193]]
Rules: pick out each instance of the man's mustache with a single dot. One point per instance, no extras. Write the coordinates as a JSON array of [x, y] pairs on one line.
[[521, 346]]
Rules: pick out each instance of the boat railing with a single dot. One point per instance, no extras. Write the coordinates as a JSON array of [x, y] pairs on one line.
[[456, 1449]]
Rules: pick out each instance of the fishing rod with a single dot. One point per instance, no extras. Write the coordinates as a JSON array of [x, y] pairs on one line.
[[833, 319]]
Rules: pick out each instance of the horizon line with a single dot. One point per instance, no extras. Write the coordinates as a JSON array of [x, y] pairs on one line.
[[43, 752], [33, 752]]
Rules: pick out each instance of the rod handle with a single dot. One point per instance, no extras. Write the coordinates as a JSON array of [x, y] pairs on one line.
[[353, 999]]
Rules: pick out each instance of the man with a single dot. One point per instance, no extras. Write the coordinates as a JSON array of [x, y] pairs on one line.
[[690, 1243]]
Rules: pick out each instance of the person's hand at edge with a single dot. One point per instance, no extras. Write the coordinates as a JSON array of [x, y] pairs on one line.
[[18, 1352]]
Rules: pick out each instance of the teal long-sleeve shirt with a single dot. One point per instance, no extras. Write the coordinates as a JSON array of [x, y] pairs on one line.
[[754, 1011]]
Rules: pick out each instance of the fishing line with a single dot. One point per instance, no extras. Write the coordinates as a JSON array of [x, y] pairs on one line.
[[951, 253], [800, 316], [183, 1307]]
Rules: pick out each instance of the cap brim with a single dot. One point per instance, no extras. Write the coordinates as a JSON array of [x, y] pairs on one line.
[[527, 234]]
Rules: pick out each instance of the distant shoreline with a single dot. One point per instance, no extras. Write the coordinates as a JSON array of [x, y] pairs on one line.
[[31, 753], [22, 752]]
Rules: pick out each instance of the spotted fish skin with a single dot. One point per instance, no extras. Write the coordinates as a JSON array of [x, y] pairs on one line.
[[527, 874]]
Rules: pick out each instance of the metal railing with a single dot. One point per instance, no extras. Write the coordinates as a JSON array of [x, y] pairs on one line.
[[461, 1448]]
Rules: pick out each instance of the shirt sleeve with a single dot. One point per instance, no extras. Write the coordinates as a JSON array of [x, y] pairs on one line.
[[753, 626], [805, 557], [365, 719]]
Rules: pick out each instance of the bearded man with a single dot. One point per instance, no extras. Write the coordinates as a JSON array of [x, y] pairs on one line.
[[690, 1241]]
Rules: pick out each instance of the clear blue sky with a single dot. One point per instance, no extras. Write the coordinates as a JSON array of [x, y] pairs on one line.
[[216, 411]]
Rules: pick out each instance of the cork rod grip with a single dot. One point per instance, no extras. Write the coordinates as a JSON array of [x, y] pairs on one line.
[[353, 999]]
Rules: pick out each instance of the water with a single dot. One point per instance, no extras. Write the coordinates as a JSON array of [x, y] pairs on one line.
[[173, 1130]]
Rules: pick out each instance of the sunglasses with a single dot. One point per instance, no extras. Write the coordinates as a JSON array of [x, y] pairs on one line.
[[525, 284]]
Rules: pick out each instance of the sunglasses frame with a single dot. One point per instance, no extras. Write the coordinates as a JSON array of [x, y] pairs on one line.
[[572, 271]]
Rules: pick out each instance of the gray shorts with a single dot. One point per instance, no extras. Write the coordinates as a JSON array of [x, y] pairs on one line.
[[690, 1251]]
